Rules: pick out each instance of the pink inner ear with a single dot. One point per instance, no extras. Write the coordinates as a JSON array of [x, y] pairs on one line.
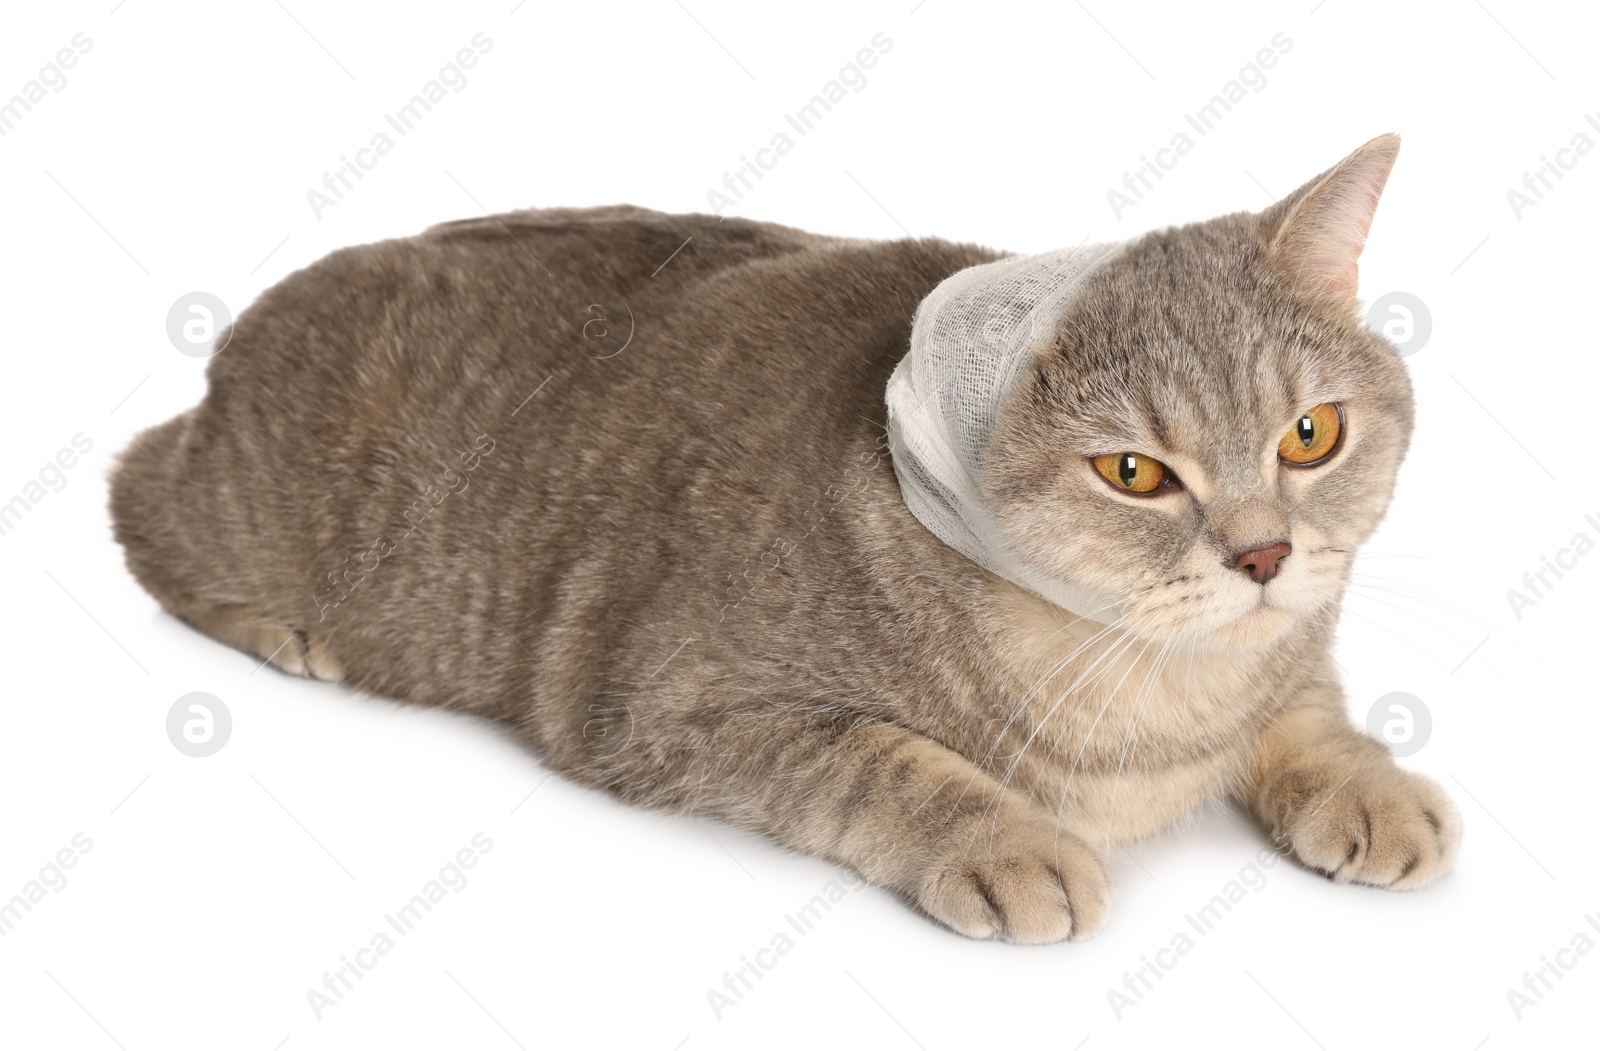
[[1322, 236]]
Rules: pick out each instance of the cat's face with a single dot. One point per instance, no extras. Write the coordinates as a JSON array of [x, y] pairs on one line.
[[1228, 359]]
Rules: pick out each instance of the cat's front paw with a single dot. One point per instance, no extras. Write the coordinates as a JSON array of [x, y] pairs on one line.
[[1025, 885], [1376, 824]]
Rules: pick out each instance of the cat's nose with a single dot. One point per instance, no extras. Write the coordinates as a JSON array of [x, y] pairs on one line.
[[1262, 562]]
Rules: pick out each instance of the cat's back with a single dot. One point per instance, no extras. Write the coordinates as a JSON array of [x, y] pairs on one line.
[[604, 302], [469, 298], [547, 416]]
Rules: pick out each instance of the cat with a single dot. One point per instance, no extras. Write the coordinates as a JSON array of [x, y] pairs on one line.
[[621, 480]]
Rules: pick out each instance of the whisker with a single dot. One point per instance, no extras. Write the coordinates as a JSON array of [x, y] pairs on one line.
[[1135, 723], [1409, 642], [983, 768], [1111, 654], [1066, 788], [1364, 591]]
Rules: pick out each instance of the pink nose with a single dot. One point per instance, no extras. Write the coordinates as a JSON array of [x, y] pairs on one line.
[[1262, 562]]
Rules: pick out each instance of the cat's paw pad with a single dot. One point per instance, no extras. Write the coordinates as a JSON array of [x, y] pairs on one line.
[[1381, 826], [1026, 890]]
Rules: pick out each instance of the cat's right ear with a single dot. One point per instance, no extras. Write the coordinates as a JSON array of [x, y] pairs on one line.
[[1318, 231]]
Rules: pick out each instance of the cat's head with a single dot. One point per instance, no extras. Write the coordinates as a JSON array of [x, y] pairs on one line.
[[1214, 430]]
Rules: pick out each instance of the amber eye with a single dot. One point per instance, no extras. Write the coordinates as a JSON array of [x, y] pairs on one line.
[[1313, 435], [1136, 474]]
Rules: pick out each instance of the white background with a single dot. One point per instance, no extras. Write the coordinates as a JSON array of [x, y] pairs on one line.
[[219, 890]]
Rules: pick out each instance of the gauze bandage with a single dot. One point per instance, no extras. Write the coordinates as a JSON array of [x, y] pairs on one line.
[[972, 340]]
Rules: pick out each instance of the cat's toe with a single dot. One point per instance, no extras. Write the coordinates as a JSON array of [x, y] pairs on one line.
[[1386, 828], [1028, 893]]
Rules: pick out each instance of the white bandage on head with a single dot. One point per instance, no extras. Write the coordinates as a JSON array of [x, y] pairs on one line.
[[972, 340]]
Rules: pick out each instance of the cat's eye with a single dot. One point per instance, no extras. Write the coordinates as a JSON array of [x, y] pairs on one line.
[[1313, 435], [1133, 473]]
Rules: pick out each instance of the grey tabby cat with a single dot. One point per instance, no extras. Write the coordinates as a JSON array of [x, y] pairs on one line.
[[679, 564]]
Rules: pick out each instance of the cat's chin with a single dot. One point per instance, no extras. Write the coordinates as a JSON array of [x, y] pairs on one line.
[[1258, 627]]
